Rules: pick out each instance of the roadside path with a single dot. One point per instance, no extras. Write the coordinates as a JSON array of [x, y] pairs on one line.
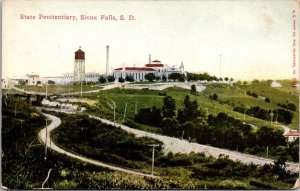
[[176, 145], [54, 124]]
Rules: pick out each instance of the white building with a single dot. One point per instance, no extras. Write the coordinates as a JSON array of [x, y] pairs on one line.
[[67, 78], [9, 83], [155, 67], [33, 80], [292, 135]]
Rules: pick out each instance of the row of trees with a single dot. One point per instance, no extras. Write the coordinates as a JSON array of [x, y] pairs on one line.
[[220, 131], [205, 76], [289, 106], [280, 115], [104, 79]]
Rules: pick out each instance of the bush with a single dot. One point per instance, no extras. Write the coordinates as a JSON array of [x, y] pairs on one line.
[[102, 79], [110, 78], [129, 78], [121, 80]]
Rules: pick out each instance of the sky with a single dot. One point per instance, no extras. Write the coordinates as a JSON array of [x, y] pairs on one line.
[[254, 38]]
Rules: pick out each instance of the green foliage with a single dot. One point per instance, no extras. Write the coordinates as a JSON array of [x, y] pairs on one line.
[[193, 89], [168, 108], [111, 78], [121, 80], [214, 97], [191, 112], [177, 76], [150, 77], [289, 106], [202, 76], [149, 116], [129, 78], [51, 82], [267, 100], [103, 142], [280, 115], [102, 79]]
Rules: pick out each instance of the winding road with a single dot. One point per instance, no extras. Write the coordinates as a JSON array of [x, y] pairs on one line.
[[170, 144], [54, 124], [176, 145]]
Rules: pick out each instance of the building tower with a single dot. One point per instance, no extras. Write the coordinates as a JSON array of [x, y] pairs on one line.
[[79, 66], [107, 60], [181, 67], [149, 59]]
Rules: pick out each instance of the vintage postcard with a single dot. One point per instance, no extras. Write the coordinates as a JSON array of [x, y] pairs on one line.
[[161, 94]]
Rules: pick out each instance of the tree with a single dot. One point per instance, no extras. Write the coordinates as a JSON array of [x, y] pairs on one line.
[[129, 78], [164, 78], [191, 112], [267, 100], [182, 78], [121, 80], [267, 136], [149, 116], [102, 79], [170, 126], [214, 97], [193, 89], [231, 79], [150, 77], [111, 78], [174, 76], [169, 107], [51, 82], [226, 79]]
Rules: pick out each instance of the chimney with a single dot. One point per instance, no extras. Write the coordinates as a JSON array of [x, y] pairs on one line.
[[107, 60], [149, 58]]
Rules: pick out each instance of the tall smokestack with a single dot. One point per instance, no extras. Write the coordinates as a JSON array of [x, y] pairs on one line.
[[107, 60], [149, 58]]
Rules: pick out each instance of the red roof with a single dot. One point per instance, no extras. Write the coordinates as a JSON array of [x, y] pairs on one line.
[[292, 133], [156, 61], [136, 69], [79, 54], [154, 65]]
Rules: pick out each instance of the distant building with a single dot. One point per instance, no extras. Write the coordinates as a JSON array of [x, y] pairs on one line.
[[138, 73], [276, 85], [292, 135], [79, 66], [9, 83], [33, 80]]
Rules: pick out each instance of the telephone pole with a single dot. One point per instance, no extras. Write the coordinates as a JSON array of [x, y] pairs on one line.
[[153, 145]]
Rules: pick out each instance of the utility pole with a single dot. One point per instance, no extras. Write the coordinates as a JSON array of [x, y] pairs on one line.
[[114, 108], [220, 67], [153, 145], [125, 112], [81, 88], [271, 114], [69, 89], [46, 90], [46, 139], [267, 151]]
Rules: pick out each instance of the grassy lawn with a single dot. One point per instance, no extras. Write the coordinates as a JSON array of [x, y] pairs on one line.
[[137, 99], [237, 95]]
